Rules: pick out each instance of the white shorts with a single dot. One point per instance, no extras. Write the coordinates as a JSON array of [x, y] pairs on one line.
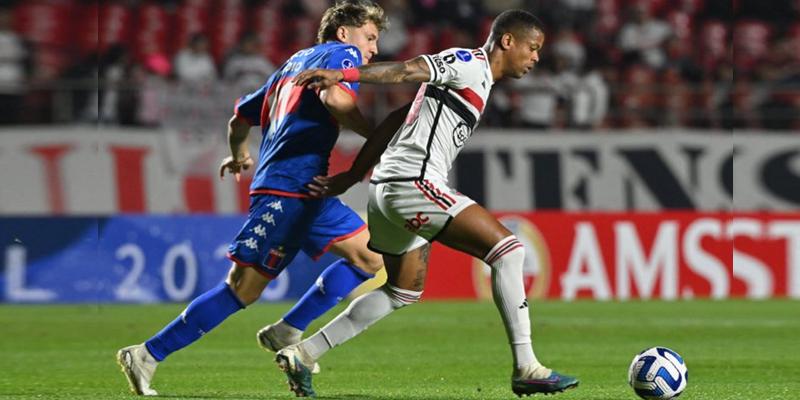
[[403, 216]]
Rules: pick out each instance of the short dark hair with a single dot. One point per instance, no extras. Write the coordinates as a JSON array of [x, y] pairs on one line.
[[514, 22], [350, 14]]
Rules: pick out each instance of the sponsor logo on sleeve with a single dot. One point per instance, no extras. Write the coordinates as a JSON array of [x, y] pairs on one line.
[[450, 58], [438, 63], [464, 55]]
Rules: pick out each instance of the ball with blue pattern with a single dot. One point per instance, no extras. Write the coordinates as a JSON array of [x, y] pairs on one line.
[[658, 373]]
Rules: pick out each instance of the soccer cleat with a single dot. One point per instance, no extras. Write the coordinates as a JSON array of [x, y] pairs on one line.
[[288, 360], [526, 382], [138, 366], [270, 339]]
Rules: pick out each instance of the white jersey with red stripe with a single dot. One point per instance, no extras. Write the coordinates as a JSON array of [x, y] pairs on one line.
[[445, 112]]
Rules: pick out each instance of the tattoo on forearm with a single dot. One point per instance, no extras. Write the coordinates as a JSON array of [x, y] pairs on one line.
[[394, 72]]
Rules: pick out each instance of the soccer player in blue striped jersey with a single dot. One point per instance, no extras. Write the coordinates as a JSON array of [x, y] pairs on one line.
[[299, 128]]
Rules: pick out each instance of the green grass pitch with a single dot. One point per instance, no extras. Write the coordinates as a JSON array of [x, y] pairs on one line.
[[434, 350]]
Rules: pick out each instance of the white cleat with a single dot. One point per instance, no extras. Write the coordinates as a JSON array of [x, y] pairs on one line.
[[138, 366], [277, 336]]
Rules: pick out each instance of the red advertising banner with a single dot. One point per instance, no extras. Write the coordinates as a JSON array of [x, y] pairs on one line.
[[668, 255]]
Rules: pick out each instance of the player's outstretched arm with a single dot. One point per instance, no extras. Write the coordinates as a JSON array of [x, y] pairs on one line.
[[367, 157], [239, 160], [343, 107], [414, 70]]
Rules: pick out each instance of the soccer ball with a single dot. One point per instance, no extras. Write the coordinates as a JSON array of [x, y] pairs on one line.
[[658, 373]]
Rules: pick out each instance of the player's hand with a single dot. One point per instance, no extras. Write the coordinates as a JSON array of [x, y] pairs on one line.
[[327, 186], [318, 78], [234, 167]]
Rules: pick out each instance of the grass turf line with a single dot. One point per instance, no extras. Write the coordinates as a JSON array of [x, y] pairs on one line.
[[434, 350]]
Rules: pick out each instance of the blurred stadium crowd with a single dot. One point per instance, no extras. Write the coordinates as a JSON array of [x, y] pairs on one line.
[[606, 63]]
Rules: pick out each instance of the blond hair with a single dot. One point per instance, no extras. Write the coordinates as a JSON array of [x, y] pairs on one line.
[[355, 14]]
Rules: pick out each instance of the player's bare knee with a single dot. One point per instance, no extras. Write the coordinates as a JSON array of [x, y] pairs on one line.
[[246, 283], [401, 297], [247, 295], [367, 261], [507, 250]]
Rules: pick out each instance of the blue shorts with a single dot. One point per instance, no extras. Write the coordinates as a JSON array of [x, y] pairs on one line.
[[278, 227]]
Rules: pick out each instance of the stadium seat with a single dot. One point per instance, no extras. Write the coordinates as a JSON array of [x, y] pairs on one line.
[[751, 43], [153, 25]]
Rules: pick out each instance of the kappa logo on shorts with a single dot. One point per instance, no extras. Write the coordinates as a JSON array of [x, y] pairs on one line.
[[260, 231], [251, 244], [414, 224], [268, 218], [276, 205]]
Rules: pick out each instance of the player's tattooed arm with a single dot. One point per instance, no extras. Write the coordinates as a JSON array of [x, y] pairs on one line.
[[414, 70]]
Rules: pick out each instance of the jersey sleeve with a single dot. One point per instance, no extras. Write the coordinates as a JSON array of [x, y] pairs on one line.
[[249, 106], [342, 58], [452, 67]]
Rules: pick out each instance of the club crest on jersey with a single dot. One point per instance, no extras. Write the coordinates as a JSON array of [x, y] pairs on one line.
[[463, 55], [461, 133], [275, 257], [347, 63]]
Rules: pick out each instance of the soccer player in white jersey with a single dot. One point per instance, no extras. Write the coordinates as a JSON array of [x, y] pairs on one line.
[[411, 204]]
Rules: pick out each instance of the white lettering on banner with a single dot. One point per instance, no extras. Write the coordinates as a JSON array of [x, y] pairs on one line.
[[585, 252], [135, 287], [703, 263], [791, 232], [16, 257], [749, 269], [632, 264], [152, 171], [169, 267], [129, 289]]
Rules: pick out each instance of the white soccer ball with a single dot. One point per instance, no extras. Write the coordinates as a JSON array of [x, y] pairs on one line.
[[658, 373]]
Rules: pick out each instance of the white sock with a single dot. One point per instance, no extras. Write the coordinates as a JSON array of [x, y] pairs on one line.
[[506, 259], [362, 312]]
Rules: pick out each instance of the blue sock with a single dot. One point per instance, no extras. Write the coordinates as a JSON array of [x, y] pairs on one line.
[[200, 317], [333, 284]]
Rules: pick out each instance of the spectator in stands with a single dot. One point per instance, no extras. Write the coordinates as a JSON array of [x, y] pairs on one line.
[[152, 78], [589, 98], [576, 13], [13, 71], [642, 37], [395, 38], [114, 74], [248, 67], [194, 63], [537, 96]]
